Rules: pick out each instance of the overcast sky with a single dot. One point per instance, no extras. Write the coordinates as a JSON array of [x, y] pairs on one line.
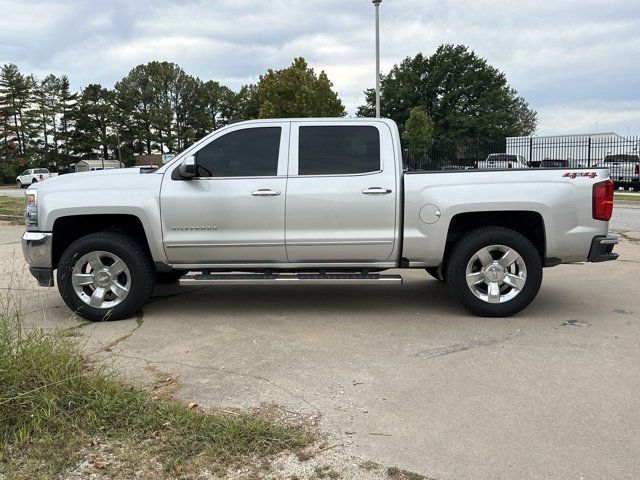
[[576, 62]]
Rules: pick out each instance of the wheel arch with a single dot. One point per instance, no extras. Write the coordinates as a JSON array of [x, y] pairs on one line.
[[68, 229], [526, 222]]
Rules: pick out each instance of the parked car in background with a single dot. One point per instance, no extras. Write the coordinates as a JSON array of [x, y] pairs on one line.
[[33, 175], [625, 170], [553, 163], [500, 161]]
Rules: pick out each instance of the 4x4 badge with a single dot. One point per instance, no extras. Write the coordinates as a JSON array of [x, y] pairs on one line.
[[581, 174]]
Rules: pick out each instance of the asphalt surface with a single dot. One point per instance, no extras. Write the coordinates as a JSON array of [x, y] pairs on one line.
[[400, 375], [626, 216]]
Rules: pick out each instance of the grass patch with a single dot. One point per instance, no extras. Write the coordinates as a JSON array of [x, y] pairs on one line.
[[54, 406], [626, 197], [11, 206]]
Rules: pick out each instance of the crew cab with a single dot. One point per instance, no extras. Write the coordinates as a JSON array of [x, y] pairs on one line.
[[297, 201], [33, 175]]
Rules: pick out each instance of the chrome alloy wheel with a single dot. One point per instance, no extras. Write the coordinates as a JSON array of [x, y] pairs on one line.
[[101, 279], [496, 274]]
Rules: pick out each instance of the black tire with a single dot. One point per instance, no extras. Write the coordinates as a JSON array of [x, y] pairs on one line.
[[170, 277], [135, 258], [34, 181], [436, 272], [19, 184], [465, 249]]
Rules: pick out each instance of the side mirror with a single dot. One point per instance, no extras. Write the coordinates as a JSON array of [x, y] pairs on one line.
[[188, 167]]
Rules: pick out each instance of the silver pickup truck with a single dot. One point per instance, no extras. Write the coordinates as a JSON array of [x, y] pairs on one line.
[[297, 201]]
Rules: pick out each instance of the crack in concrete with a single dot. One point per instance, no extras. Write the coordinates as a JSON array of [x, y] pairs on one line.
[[117, 341], [240, 374], [442, 350]]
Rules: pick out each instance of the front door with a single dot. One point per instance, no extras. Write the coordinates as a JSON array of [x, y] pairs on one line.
[[342, 192], [232, 212]]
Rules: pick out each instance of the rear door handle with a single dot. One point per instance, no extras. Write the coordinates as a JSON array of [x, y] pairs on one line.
[[376, 191], [265, 192]]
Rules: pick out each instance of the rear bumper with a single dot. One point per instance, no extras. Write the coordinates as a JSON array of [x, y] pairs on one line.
[[602, 248]]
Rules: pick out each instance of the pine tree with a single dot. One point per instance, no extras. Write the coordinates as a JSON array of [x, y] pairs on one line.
[[14, 98], [93, 121]]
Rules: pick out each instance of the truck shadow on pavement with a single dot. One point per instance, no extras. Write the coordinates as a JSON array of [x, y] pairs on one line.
[[415, 296]]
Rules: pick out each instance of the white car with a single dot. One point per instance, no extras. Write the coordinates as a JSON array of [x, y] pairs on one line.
[[499, 161], [33, 175]]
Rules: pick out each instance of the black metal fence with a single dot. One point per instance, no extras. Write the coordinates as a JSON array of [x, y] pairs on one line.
[[534, 152]]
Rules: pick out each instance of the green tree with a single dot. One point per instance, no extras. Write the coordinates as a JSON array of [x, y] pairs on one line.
[[245, 104], [296, 91], [418, 129], [161, 108], [464, 95], [14, 101], [214, 108], [94, 120], [66, 111]]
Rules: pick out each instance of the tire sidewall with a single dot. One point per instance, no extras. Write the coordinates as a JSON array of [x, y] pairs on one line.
[[131, 254], [474, 241]]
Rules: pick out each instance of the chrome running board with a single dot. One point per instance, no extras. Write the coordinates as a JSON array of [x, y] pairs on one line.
[[288, 279]]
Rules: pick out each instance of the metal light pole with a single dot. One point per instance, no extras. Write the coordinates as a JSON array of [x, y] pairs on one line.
[[377, 5]]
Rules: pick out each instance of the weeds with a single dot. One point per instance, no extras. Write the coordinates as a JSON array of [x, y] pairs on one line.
[[53, 404]]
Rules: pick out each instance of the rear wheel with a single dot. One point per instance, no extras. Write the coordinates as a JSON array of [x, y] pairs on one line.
[[105, 276], [494, 272]]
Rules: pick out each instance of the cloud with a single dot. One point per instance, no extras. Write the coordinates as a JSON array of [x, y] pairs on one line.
[[574, 61]]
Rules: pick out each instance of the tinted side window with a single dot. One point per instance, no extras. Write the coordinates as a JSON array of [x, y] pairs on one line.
[[338, 150], [251, 152]]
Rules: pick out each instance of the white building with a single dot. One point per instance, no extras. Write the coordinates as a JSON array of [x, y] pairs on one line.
[[89, 165]]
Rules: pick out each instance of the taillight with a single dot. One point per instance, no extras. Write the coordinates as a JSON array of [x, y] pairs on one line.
[[41, 177], [603, 200], [510, 165]]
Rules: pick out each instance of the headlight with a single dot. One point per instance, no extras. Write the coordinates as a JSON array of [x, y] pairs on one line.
[[31, 209]]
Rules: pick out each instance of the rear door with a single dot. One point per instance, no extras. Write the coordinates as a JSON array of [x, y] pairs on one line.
[[341, 192]]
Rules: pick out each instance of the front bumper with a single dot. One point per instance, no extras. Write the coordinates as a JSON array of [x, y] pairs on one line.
[[602, 248], [37, 250]]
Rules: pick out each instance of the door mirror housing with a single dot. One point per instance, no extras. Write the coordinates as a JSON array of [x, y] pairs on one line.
[[188, 167]]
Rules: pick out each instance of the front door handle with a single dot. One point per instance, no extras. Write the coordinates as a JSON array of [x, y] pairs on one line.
[[376, 191], [265, 192]]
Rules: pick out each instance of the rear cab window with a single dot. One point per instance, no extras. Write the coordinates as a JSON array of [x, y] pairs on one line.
[[338, 150]]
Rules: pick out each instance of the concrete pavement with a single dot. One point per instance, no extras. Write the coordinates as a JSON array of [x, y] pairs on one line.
[[402, 375]]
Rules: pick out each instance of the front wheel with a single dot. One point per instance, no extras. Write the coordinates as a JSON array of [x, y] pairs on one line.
[[19, 184], [494, 272], [105, 276]]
